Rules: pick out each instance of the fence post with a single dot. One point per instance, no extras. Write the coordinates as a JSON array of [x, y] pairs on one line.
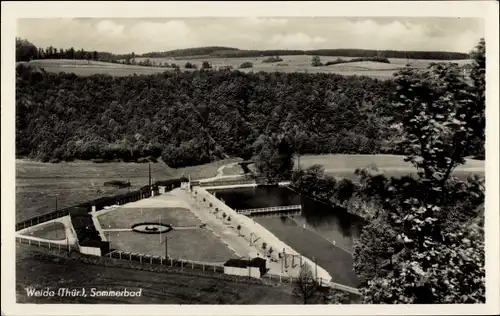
[[182, 264], [29, 242], [192, 265], [280, 278], [161, 260], [39, 244], [130, 257], [120, 254], [171, 262], [151, 260], [140, 258], [214, 268]]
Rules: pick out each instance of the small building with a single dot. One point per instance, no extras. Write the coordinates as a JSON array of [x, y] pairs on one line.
[[254, 268]]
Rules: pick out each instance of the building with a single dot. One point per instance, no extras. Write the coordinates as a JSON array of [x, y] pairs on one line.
[[254, 268]]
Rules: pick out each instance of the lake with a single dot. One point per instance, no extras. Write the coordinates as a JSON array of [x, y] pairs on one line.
[[324, 225]]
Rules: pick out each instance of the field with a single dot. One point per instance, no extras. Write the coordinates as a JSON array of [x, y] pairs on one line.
[[40, 268], [293, 63], [37, 183], [186, 241], [189, 244], [51, 231], [391, 165]]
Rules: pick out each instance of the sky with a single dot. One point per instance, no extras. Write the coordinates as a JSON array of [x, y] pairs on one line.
[[125, 35]]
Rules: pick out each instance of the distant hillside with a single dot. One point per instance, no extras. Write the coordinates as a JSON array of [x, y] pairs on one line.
[[196, 51], [228, 52]]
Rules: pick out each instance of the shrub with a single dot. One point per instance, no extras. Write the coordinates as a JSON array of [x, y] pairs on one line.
[[264, 245], [246, 64], [272, 59]]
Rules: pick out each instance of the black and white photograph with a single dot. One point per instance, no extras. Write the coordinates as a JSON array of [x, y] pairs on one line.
[[321, 161]]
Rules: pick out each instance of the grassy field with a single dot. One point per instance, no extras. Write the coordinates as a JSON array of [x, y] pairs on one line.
[[37, 184], [191, 244], [295, 63], [37, 267], [126, 217], [51, 231], [392, 165]]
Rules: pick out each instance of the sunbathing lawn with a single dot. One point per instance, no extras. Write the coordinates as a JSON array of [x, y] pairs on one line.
[[192, 244], [51, 231], [126, 217]]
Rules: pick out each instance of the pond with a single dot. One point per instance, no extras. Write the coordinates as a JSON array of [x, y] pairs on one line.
[[320, 232]]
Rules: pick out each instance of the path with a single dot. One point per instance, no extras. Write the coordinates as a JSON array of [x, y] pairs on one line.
[[227, 232]]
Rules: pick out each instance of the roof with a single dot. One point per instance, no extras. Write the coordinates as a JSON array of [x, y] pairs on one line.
[[242, 263], [237, 263]]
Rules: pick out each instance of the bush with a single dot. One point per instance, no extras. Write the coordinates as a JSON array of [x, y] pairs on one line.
[[272, 59], [246, 64]]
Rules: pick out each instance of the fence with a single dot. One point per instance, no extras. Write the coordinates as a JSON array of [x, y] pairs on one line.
[[100, 203], [179, 263], [46, 244], [225, 182], [42, 218]]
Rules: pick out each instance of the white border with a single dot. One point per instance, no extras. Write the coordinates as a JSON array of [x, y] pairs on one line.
[[13, 10]]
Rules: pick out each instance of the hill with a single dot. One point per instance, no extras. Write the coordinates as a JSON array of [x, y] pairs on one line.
[[197, 51]]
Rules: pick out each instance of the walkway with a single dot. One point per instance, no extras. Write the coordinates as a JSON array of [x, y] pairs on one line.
[[227, 232], [272, 209]]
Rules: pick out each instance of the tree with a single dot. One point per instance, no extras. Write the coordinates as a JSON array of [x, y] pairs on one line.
[[305, 286], [316, 61], [440, 260], [246, 64], [274, 159], [205, 65], [25, 50]]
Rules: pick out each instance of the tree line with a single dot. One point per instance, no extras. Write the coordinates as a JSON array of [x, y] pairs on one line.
[[26, 51]]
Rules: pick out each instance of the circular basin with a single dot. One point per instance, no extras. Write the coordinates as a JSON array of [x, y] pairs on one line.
[[151, 228]]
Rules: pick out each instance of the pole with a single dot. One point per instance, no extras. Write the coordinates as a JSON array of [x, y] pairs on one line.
[[315, 269], [166, 247], [149, 166]]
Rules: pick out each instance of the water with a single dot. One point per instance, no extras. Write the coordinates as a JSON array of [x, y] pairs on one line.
[[328, 235]]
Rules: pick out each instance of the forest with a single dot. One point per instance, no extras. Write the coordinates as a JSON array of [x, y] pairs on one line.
[[190, 118]]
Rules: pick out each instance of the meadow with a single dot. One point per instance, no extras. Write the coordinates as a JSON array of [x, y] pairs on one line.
[[190, 244], [125, 217], [290, 63], [41, 268]]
